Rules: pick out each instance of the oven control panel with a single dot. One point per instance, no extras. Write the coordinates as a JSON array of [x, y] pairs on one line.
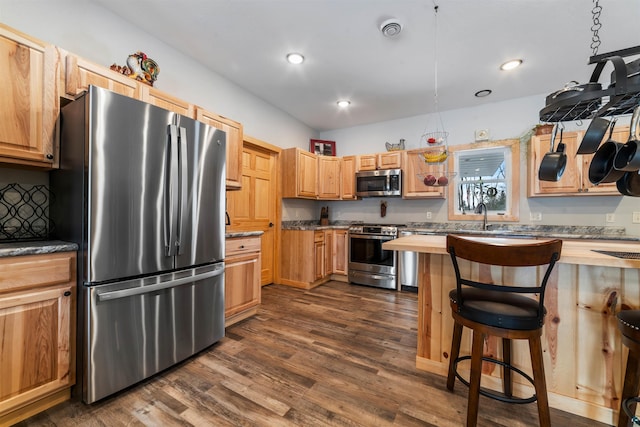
[[378, 230]]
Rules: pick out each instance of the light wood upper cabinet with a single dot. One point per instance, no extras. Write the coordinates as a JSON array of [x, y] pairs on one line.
[[329, 169], [80, 73], [299, 174], [29, 101], [575, 179], [235, 136], [413, 172], [348, 178], [242, 278], [388, 160], [168, 102], [37, 329]]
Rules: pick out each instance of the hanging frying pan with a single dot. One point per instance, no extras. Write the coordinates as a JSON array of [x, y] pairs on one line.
[[628, 158], [553, 163], [594, 135], [629, 184], [601, 168]]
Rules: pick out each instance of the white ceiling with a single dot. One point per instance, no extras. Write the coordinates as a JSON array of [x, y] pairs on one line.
[[246, 41]]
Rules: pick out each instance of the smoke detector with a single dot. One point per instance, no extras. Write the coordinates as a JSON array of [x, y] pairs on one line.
[[390, 27]]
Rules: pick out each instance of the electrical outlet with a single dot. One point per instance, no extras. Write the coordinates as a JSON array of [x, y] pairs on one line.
[[429, 216], [636, 218], [611, 217], [535, 216]]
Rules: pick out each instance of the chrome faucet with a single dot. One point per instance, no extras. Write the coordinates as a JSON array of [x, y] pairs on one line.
[[478, 210]]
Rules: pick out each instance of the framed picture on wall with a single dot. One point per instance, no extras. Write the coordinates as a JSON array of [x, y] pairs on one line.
[[322, 147]]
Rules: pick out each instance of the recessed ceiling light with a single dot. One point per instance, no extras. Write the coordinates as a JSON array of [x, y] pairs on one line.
[[343, 103], [391, 27], [510, 65], [295, 58], [482, 93]]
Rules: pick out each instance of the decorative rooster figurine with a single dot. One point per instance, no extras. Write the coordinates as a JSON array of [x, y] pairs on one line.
[[139, 67]]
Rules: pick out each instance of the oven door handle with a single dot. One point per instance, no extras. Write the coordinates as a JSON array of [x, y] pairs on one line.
[[371, 237], [370, 275]]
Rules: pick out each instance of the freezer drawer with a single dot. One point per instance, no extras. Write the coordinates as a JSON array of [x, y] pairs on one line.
[[137, 328]]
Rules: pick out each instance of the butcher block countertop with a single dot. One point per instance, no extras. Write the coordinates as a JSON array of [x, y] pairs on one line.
[[573, 251]]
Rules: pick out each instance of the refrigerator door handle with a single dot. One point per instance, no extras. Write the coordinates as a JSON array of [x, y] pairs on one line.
[[184, 176], [124, 293], [171, 193]]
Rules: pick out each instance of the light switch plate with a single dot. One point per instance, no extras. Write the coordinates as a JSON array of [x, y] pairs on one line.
[[636, 218]]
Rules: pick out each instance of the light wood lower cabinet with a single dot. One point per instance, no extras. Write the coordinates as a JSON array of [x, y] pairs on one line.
[[340, 252], [242, 278], [37, 333]]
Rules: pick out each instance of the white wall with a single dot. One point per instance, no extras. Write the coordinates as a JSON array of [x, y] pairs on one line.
[[98, 35], [504, 120]]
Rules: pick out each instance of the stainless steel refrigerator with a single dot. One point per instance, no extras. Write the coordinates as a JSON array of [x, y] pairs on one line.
[[141, 190]]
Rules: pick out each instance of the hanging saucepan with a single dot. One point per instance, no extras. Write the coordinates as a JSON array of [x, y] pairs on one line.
[[594, 135], [601, 168], [628, 157], [571, 89], [553, 163], [629, 184]]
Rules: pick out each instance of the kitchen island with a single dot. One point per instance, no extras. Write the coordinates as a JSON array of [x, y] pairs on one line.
[[583, 353]]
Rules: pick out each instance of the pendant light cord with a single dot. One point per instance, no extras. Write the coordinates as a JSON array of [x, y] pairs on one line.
[[435, 62]]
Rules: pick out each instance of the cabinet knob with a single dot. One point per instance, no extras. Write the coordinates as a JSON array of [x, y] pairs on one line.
[[50, 156], [67, 293], [270, 224], [241, 246]]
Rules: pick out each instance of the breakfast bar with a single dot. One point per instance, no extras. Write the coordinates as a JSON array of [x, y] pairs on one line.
[[583, 354]]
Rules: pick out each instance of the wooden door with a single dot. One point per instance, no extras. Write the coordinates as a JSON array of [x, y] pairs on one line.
[[29, 102], [340, 251], [253, 207], [348, 178]]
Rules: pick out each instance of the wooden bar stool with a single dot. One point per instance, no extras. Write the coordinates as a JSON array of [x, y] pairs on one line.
[[500, 310], [629, 325]]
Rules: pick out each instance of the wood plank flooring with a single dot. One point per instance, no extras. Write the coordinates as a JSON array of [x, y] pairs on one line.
[[337, 355]]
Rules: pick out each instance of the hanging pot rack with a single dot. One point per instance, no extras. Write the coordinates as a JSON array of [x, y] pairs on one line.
[[617, 99]]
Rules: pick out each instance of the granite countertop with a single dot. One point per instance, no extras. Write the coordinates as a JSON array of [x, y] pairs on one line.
[[35, 247], [521, 230], [495, 229], [231, 234]]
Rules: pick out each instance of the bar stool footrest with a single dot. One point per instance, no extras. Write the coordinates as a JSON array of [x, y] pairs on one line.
[[626, 406], [494, 394]]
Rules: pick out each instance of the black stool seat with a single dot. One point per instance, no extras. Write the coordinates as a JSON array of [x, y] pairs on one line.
[[498, 309], [629, 326]]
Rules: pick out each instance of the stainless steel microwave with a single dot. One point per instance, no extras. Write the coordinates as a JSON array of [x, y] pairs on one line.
[[379, 183]]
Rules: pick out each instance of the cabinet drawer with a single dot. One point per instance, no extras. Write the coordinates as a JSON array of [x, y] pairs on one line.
[[26, 271], [237, 245], [318, 237]]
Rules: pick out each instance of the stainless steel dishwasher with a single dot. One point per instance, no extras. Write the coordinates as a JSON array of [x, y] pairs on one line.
[[408, 265]]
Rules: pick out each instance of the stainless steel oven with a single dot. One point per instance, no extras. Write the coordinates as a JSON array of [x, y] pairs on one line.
[[369, 263]]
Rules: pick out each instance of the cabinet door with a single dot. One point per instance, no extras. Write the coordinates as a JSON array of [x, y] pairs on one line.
[[329, 177], [80, 73], [348, 178], [320, 260], [234, 145], [328, 252], [367, 162], [166, 101], [242, 283], [571, 180], [340, 254], [414, 169], [29, 102], [391, 160], [37, 358], [307, 169]]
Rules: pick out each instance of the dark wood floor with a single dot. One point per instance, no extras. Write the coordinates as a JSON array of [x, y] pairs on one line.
[[338, 355]]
